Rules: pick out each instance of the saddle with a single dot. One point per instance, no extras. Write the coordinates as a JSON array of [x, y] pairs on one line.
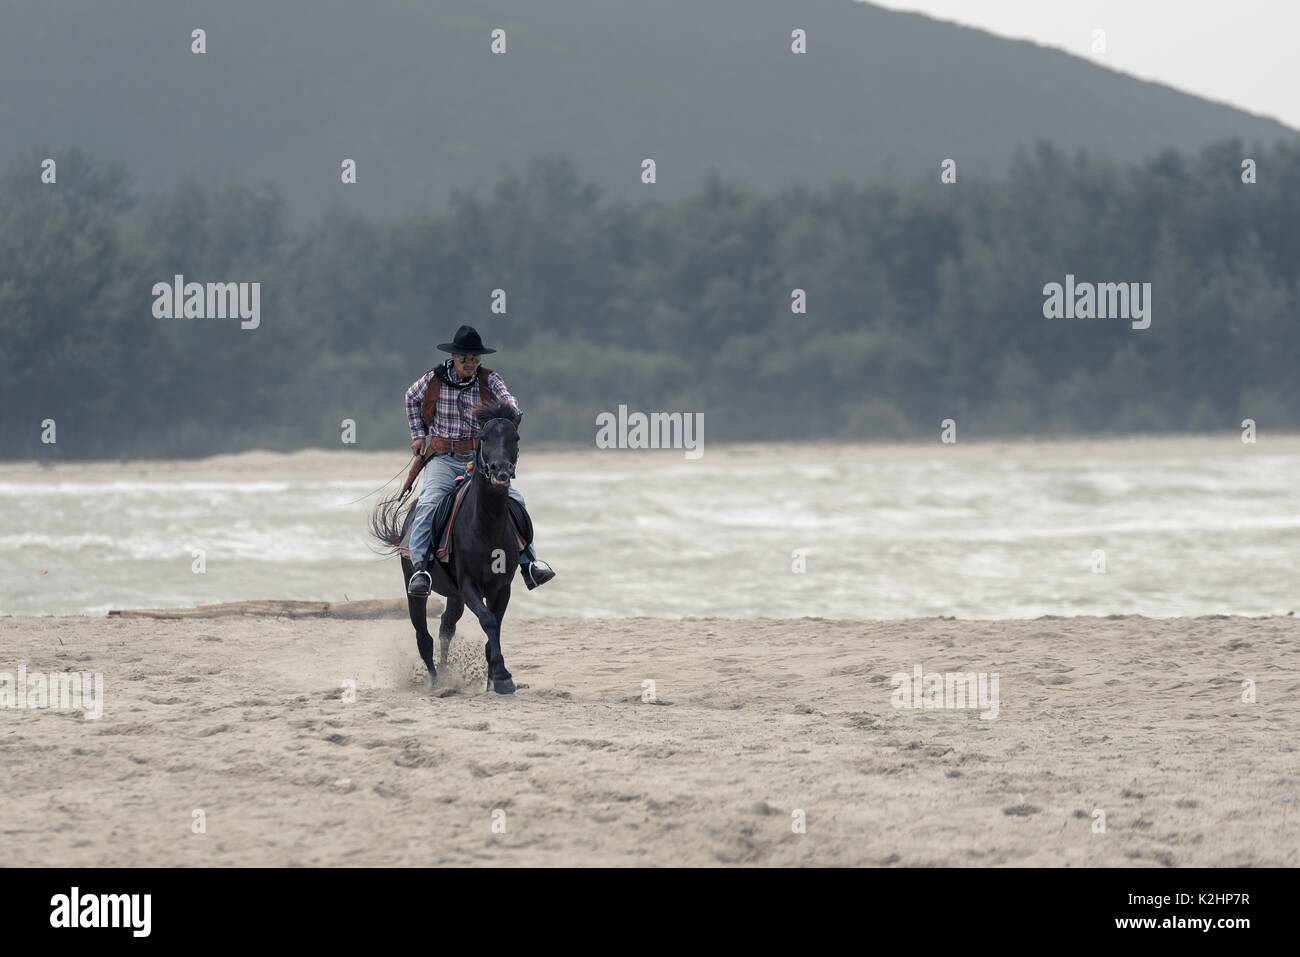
[[444, 519]]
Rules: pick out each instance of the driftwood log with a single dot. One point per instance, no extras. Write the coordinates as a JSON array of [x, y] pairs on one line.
[[379, 608]]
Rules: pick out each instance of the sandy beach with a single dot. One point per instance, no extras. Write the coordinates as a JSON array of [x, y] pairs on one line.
[[252, 735], [244, 719]]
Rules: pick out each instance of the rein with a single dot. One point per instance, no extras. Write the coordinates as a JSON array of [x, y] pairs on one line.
[[420, 462], [381, 488], [416, 468]]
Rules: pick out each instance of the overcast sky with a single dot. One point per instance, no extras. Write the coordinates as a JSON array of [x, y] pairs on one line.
[[1242, 52]]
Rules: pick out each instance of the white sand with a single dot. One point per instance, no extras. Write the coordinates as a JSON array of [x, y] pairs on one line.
[[242, 718]]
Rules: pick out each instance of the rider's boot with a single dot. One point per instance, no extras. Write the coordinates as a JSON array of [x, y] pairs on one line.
[[534, 574], [421, 582]]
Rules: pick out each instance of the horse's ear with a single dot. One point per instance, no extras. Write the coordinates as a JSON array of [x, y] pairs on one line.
[[519, 417]]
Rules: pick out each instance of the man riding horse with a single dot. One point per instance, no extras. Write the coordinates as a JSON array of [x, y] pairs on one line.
[[440, 410]]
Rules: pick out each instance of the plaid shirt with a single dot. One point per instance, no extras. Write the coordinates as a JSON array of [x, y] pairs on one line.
[[454, 416]]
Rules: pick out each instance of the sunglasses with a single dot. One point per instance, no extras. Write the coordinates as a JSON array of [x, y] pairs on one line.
[[466, 358]]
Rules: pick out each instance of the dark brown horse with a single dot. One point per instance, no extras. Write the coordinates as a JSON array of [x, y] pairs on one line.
[[484, 549]]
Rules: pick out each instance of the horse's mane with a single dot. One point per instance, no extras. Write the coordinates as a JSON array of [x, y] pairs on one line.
[[494, 409]]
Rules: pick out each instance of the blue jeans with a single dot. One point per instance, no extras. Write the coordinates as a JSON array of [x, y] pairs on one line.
[[439, 478]]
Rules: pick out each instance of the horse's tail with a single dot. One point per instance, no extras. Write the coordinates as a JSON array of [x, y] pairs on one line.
[[388, 521]]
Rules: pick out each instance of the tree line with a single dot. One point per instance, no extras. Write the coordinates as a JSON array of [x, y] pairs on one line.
[[924, 301]]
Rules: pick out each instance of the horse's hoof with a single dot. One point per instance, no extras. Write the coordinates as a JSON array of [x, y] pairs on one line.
[[501, 685]]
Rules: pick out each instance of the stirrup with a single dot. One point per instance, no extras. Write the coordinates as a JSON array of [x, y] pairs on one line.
[[529, 580], [411, 584]]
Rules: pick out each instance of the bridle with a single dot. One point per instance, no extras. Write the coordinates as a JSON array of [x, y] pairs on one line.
[[479, 464]]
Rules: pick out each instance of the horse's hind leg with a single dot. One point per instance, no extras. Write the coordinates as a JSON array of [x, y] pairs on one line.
[[447, 626], [418, 610]]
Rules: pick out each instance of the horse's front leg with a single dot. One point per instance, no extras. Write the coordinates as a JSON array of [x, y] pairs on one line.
[[504, 684], [498, 678]]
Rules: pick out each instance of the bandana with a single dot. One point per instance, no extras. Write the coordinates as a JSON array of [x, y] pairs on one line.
[[447, 375]]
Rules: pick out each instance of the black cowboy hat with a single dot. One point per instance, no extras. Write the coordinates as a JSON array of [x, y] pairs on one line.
[[466, 343]]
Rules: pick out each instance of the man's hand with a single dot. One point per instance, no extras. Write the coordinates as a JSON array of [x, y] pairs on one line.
[[417, 446]]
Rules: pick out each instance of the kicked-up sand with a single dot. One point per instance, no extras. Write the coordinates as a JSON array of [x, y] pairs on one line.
[[265, 740]]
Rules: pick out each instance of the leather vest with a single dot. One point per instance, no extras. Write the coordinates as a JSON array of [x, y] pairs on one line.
[[430, 402]]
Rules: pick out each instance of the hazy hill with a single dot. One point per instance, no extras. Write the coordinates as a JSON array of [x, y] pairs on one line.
[[409, 89]]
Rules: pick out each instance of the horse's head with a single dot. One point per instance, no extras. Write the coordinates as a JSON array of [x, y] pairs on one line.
[[498, 447]]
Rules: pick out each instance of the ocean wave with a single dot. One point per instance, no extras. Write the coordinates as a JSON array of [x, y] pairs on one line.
[[83, 489], [60, 543]]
